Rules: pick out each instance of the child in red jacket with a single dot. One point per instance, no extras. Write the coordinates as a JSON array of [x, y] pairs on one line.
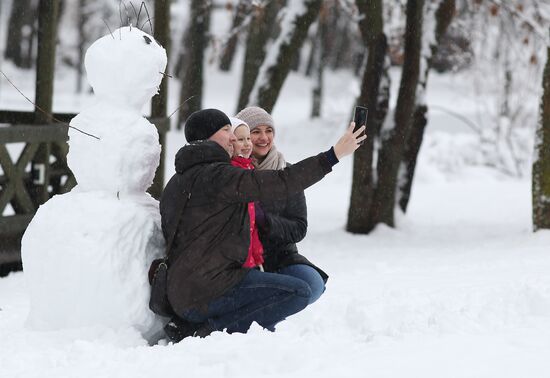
[[242, 149]]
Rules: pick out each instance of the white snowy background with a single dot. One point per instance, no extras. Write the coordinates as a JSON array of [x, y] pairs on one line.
[[460, 289]]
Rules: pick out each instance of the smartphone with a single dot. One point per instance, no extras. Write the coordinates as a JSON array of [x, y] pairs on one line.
[[360, 118]]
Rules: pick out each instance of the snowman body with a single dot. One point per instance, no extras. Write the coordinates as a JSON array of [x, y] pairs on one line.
[[86, 253]]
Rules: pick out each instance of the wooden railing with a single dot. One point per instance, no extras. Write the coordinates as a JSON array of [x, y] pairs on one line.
[[25, 179], [22, 177]]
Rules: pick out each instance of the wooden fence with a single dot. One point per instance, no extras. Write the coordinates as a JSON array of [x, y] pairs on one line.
[[27, 179]]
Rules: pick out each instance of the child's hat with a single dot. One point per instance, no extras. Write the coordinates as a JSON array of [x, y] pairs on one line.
[[236, 122]]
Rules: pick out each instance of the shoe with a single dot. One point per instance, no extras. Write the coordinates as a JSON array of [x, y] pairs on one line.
[[178, 329]]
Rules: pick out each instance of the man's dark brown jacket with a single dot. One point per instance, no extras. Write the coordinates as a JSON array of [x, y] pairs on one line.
[[212, 237]]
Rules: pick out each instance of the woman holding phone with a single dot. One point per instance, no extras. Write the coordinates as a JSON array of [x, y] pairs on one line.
[[282, 223]]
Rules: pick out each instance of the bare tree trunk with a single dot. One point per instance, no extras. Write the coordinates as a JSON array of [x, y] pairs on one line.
[[317, 94], [541, 164], [28, 58], [259, 32], [335, 41], [295, 60], [45, 62], [20, 33], [83, 18], [318, 41], [159, 102], [342, 40], [45, 69], [162, 35], [2, 10], [318, 63], [15, 31], [444, 12], [242, 10], [195, 42], [394, 138], [375, 95]]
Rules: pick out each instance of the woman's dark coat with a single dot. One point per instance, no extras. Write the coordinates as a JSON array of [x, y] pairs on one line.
[[286, 225], [212, 239]]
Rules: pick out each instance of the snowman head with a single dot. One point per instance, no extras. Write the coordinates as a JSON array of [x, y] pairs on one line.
[[126, 66]]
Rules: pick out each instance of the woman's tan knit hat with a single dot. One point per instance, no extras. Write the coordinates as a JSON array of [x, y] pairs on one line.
[[255, 116]]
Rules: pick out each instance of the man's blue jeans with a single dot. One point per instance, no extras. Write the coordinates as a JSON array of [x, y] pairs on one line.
[[264, 298], [309, 275]]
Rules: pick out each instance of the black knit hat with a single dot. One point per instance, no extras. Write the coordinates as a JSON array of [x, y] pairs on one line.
[[204, 123]]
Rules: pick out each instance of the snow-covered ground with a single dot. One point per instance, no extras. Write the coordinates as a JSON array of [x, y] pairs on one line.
[[460, 289]]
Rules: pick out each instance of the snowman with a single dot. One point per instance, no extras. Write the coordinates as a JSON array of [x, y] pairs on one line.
[[86, 253]]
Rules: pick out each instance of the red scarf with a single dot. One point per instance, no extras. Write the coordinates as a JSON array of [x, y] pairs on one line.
[[256, 249]]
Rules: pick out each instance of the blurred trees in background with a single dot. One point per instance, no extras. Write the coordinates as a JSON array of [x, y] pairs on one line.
[[499, 44], [261, 29], [81, 22], [384, 167], [296, 18], [241, 18], [508, 41]]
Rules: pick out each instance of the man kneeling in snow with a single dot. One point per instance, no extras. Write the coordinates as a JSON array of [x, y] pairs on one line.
[[208, 287]]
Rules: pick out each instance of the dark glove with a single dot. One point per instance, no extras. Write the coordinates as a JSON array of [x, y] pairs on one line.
[[260, 215]]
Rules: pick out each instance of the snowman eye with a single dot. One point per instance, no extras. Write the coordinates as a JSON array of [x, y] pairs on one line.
[[147, 39]]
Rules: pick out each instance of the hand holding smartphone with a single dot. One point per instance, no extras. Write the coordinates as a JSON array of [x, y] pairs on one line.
[[360, 119]]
